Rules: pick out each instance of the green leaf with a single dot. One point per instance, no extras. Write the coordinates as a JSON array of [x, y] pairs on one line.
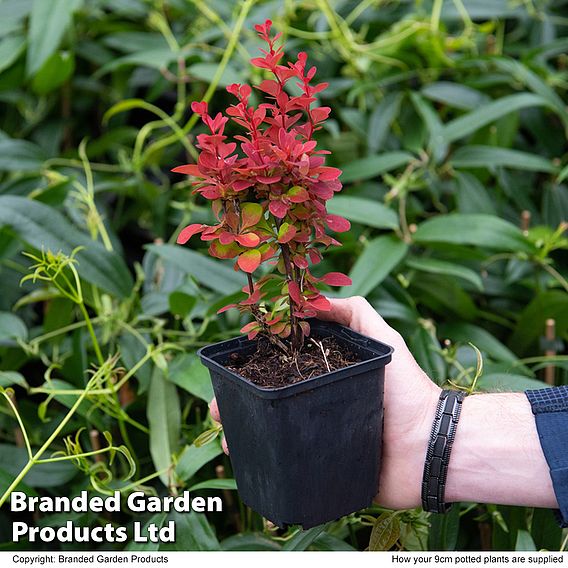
[[454, 95], [545, 530], [531, 323], [444, 530], [490, 156], [327, 542], [211, 273], [469, 229], [381, 119], [6, 480], [181, 303], [466, 332], [12, 328], [524, 541], [44, 227], [471, 195], [9, 378], [385, 533], [164, 420], [303, 539], [54, 72], [436, 266], [193, 532], [372, 166], [10, 49], [225, 484], [365, 211], [187, 372], [41, 475], [48, 22], [425, 348], [508, 382], [490, 112], [20, 156], [376, 262], [249, 541], [206, 72], [193, 459], [437, 144]]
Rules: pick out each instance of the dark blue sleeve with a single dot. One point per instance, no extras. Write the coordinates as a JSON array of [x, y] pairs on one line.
[[550, 407]]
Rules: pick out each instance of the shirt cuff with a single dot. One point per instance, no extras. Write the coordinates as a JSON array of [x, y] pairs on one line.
[[550, 407]]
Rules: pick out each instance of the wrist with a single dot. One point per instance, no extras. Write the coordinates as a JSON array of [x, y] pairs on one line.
[[496, 456]]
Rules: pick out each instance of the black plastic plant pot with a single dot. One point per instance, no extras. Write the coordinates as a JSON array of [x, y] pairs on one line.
[[310, 452]]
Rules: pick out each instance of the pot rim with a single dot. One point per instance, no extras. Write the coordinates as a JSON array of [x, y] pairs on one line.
[[380, 354]]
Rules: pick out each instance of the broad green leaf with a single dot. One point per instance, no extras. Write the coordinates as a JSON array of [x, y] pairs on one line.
[[545, 530], [436, 266], [524, 541], [20, 156], [381, 119], [372, 166], [508, 382], [471, 195], [12, 14], [181, 303], [303, 539], [211, 273], [226, 484], [376, 262], [468, 229], [187, 372], [12, 327], [364, 211], [249, 541], [41, 475], [9, 378], [193, 532], [385, 533], [454, 95], [444, 530], [490, 156], [206, 72], [164, 420], [158, 58], [54, 72], [158, 520], [44, 227], [10, 49], [464, 332], [437, 144], [425, 348], [327, 542], [490, 112], [48, 23], [6, 480], [531, 323], [193, 458]]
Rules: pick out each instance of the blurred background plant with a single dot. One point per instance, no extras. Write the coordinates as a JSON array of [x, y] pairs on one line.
[[449, 120]]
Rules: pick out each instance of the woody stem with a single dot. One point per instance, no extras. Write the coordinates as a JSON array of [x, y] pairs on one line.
[[295, 335]]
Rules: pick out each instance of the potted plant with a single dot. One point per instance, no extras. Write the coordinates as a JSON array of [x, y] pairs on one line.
[[300, 399]]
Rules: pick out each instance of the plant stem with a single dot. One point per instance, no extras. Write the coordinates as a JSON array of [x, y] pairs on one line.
[[94, 339], [49, 441]]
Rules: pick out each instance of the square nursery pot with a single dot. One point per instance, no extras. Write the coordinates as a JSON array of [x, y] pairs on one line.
[[309, 452]]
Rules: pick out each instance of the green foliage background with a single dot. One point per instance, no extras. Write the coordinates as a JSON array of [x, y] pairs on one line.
[[449, 120]]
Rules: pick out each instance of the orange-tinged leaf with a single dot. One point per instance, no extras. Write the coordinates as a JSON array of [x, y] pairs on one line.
[[188, 232], [249, 261], [249, 240], [189, 169], [218, 250], [298, 194], [286, 232]]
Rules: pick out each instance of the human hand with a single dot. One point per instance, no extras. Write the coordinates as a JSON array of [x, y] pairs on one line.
[[410, 404]]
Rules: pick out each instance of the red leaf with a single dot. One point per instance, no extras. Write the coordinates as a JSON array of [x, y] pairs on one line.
[[188, 232], [227, 307], [278, 208], [337, 223], [294, 291], [249, 240], [321, 303], [305, 326], [337, 279], [298, 194], [286, 233], [189, 169], [226, 238], [249, 261], [251, 213]]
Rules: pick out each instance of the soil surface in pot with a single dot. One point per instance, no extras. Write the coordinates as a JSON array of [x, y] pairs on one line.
[[268, 366]]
